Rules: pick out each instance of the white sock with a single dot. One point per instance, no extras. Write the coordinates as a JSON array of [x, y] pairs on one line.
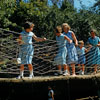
[[60, 71], [65, 71], [31, 72], [21, 73]]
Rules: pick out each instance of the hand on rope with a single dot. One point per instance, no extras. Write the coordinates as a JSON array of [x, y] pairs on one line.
[[20, 41]]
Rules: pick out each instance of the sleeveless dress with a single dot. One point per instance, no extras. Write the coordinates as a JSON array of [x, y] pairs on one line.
[[81, 55], [60, 58], [71, 49], [94, 53], [26, 50]]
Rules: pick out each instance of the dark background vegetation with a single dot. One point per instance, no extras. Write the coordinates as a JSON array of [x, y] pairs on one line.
[[46, 17]]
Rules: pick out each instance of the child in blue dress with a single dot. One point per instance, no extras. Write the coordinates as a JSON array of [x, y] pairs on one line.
[[72, 57], [94, 44], [81, 56], [60, 59], [26, 48]]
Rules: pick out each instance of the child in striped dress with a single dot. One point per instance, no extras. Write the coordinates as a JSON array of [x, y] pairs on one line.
[[60, 59], [81, 56], [72, 57], [26, 48], [94, 53]]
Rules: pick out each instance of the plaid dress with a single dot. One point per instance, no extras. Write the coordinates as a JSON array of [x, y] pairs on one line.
[[26, 50], [94, 53], [71, 49], [60, 58]]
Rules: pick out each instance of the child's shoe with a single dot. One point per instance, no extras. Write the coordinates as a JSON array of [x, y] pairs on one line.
[[20, 77], [65, 73], [73, 75], [58, 73], [31, 76], [82, 73]]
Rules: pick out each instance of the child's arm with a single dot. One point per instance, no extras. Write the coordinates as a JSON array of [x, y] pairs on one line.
[[38, 39], [69, 40], [86, 50], [74, 38], [20, 40], [98, 44]]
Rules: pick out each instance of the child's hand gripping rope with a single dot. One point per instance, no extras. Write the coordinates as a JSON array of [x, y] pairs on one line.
[[20, 41]]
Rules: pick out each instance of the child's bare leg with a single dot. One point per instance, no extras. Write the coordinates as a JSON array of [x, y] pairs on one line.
[[83, 67], [59, 69], [79, 66], [73, 69], [30, 69], [95, 68], [66, 70], [66, 67], [22, 70]]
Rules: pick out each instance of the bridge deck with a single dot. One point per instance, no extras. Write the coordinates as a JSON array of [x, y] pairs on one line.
[[50, 78]]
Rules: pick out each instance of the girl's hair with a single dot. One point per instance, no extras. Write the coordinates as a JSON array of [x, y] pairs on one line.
[[65, 25], [58, 29], [81, 42], [93, 30], [28, 25]]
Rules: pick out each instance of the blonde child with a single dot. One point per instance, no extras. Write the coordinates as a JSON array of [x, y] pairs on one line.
[[81, 56], [62, 51], [72, 57], [26, 48]]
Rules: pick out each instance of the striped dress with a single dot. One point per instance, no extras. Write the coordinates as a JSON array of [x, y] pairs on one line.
[[94, 53], [60, 58], [71, 49], [26, 50]]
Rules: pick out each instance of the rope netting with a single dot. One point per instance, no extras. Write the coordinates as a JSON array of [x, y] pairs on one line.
[[43, 59]]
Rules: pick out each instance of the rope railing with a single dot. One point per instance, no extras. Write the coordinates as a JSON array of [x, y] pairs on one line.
[[44, 54]]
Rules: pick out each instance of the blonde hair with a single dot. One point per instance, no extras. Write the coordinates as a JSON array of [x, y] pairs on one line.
[[65, 25], [58, 29], [81, 42], [94, 31]]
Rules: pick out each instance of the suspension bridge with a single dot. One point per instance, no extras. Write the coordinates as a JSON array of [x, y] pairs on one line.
[[44, 69]]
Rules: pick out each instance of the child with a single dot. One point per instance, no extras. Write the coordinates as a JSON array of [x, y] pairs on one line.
[[62, 50], [81, 56], [26, 48], [94, 44], [72, 53], [50, 93]]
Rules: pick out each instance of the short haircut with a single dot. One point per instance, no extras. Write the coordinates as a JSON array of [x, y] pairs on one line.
[[81, 42], [93, 30], [28, 25], [65, 25], [58, 29]]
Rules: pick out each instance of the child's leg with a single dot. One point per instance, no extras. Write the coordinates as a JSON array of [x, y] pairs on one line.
[[22, 70], [59, 69], [30, 69], [79, 66], [73, 69], [95, 68], [83, 67], [66, 70], [66, 67]]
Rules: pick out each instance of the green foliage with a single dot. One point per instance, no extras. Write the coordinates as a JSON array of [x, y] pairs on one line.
[[46, 17]]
